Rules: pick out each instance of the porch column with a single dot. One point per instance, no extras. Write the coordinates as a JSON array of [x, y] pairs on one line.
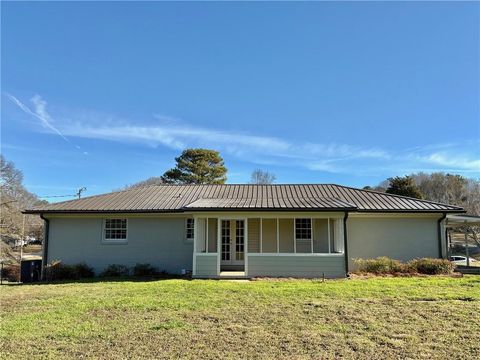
[[194, 261], [345, 243], [245, 246], [219, 244]]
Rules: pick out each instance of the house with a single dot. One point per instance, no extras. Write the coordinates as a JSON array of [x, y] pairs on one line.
[[310, 230]]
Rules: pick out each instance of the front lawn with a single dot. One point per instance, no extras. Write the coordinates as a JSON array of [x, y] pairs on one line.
[[431, 317]]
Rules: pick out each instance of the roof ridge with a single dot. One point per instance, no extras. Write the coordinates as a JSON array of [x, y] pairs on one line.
[[230, 184]]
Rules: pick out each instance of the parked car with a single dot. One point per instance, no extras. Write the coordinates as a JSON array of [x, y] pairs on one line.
[[461, 260]]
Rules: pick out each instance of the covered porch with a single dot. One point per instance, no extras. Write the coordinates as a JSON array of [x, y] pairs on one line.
[[240, 245]]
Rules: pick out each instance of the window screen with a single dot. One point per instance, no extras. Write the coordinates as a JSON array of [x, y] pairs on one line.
[[115, 229], [303, 229]]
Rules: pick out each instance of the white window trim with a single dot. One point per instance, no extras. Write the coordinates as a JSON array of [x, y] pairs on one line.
[[187, 239], [295, 234], [113, 241]]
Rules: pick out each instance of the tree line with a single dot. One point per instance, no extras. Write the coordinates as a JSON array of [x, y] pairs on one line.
[[439, 187]]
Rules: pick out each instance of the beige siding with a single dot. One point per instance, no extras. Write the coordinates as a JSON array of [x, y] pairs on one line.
[[269, 235], [206, 265], [286, 237], [253, 235], [212, 235], [398, 238], [332, 232], [304, 246], [330, 266], [320, 235], [157, 241], [201, 235]]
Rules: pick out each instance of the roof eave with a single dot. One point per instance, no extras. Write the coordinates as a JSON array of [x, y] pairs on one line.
[[430, 211], [38, 212], [183, 210]]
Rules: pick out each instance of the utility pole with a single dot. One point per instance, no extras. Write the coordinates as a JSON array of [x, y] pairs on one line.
[[79, 193]]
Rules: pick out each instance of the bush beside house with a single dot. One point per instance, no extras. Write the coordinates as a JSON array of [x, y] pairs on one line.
[[58, 271], [115, 270], [385, 265], [379, 266], [11, 272]]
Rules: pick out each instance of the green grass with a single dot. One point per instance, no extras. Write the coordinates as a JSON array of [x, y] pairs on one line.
[[377, 318]]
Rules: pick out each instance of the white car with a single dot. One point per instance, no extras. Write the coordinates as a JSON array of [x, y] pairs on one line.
[[461, 260]]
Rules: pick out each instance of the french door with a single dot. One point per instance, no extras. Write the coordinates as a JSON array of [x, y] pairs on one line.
[[232, 234]]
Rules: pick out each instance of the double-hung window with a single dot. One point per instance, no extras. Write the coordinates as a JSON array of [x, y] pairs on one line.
[[115, 230], [303, 229], [303, 235], [189, 229]]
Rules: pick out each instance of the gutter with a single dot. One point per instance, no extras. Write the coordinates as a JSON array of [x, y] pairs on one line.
[[439, 227], [45, 245], [345, 243], [184, 210]]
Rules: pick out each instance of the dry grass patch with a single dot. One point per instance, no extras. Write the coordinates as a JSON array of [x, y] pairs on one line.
[[377, 318]]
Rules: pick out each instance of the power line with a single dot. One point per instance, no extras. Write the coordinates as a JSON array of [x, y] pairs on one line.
[[55, 196], [78, 194]]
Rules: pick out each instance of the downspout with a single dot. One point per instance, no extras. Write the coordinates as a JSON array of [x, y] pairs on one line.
[[439, 227], [45, 245], [345, 244]]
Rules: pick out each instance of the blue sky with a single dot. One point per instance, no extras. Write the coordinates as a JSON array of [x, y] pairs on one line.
[[106, 94]]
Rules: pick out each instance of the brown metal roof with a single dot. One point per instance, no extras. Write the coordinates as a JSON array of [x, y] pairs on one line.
[[269, 203], [179, 198]]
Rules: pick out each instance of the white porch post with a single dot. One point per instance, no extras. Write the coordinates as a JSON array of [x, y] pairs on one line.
[[207, 249], [312, 227], [246, 247], [294, 238], [261, 235], [278, 235], [329, 239], [219, 244], [194, 261]]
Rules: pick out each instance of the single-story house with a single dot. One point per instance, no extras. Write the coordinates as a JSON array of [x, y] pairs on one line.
[[308, 230]]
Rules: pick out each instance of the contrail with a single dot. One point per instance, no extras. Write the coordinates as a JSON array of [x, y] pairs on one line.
[[41, 114]]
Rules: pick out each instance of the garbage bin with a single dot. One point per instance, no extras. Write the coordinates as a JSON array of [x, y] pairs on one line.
[[30, 270]]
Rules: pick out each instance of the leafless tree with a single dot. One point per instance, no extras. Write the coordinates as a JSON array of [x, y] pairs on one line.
[[154, 180], [262, 177], [13, 199]]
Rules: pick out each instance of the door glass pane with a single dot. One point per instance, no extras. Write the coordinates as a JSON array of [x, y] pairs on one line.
[[225, 240], [240, 240]]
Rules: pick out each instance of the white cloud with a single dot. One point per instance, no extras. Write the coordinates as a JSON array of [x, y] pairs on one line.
[[458, 161], [40, 112], [254, 148], [177, 134]]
